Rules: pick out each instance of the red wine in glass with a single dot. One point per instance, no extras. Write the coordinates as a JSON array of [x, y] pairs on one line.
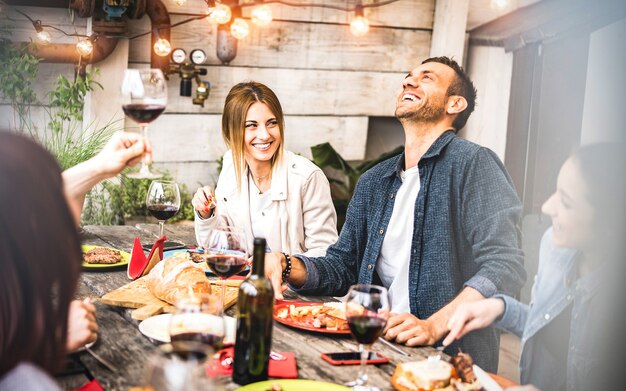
[[163, 212], [365, 328], [141, 113], [226, 265], [215, 341]]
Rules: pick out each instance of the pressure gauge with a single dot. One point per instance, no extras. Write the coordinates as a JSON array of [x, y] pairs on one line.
[[179, 55], [198, 56]]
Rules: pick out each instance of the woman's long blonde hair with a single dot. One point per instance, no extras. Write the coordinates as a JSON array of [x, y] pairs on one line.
[[239, 100]]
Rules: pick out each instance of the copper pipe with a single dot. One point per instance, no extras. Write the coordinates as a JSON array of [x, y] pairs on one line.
[[65, 52]]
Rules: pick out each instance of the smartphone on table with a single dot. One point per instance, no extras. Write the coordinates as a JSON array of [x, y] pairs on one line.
[[353, 358]]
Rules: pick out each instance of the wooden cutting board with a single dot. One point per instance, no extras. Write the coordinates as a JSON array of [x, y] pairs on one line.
[[137, 295]]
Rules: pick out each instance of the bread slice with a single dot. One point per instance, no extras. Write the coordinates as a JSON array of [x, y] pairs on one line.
[[422, 375]]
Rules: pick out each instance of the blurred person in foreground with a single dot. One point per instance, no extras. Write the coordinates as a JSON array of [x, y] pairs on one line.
[[40, 255], [264, 189], [437, 225], [564, 328]]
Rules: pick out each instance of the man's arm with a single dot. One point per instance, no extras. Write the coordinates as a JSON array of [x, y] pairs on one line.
[[408, 329], [123, 149]]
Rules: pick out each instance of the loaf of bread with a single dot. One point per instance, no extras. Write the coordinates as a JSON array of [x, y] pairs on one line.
[[175, 278], [422, 375]]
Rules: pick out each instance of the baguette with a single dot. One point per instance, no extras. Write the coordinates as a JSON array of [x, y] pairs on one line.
[[175, 278]]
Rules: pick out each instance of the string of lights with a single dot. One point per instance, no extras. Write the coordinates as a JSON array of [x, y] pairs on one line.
[[217, 13]]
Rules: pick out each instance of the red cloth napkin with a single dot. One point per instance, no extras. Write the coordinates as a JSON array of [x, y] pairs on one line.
[[91, 386], [139, 265], [283, 369]]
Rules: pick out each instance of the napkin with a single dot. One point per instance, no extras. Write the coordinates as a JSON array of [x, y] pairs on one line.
[[139, 265], [91, 386], [284, 369]]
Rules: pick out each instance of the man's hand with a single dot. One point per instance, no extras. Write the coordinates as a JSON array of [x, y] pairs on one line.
[[81, 326], [408, 329], [123, 149], [204, 202], [472, 316], [274, 272]]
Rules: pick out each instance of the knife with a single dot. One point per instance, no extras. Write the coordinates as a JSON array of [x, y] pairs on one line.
[[485, 380], [394, 347], [101, 360]]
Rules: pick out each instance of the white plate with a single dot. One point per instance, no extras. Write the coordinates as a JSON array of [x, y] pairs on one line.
[[157, 328]]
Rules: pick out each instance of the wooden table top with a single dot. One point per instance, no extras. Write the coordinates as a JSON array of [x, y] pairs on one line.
[[121, 343]]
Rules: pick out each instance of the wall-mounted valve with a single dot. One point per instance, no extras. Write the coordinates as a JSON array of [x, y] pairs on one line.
[[189, 70]]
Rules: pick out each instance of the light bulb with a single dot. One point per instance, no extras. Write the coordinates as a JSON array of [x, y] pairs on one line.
[[221, 14], [359, 26], [262, 15], [239, 29], [162, 47], [500, 4], [180, 2], [43, 37], [84, 47]]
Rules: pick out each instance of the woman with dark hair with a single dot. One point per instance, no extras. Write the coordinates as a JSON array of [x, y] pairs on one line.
[[263, 188], [563, 330], [40, 254]]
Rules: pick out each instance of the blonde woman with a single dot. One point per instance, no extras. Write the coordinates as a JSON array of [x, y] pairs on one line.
[[264, 189]]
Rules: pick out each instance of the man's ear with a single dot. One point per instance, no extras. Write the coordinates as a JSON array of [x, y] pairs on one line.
[[456, 104]]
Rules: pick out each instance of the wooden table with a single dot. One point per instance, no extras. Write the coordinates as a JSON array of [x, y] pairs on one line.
[[120, 341]]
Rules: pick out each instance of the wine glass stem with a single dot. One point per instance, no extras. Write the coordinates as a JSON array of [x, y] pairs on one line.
[[223, 292], [362, 378], [161, 226], [144, 160]]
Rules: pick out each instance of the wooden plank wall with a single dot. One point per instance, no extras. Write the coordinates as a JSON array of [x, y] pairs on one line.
[[328, 81]]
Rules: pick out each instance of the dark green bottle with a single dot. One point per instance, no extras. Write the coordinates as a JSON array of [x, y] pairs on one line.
[[255, 309]]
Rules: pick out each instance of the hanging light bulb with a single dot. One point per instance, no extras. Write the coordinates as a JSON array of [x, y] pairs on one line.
[[84, 47], [162, 47], [180, 2], [43, 37], [262, 15], [359, 25], [239, 28], [221, 14]]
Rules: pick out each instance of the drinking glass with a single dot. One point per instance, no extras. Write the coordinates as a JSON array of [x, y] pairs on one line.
[[144, 96], [163, 201], [367, 311], [198, 317], [226, 254], [180, 367]]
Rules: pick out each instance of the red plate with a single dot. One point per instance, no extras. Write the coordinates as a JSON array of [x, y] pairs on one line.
[[302, 326]]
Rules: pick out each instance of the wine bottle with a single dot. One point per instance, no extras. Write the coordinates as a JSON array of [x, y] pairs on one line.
[[255, 308]]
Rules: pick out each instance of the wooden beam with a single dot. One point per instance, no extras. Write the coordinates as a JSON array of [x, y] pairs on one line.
[[300, 45], [449, 29]]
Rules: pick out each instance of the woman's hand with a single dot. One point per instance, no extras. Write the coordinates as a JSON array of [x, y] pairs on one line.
[[81, 325], [204, 202], [472, 316]]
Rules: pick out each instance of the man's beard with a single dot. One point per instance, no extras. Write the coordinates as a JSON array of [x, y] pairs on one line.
[[431, 111]]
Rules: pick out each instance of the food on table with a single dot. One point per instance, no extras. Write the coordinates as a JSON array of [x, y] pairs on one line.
[[175, 278], [331, 316], [434, 374], [196, 256], [102, 255]]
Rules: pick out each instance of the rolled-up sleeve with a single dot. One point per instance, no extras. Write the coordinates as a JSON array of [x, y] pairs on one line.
[[515, 314]]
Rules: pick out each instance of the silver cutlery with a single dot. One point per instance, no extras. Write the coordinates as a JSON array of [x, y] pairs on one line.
[[393, 347], [101, 360]]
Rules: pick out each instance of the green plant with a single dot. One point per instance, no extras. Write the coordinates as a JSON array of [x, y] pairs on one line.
[[67, 100], [342, 176], [18, 71]]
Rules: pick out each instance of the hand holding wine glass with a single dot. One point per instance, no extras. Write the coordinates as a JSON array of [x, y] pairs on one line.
[[163, 201], [144, 96], [367, 310]]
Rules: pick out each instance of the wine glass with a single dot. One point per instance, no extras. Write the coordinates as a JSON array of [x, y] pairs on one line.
[[163, 201], [144, 96], [367, 311], [180, 367], [198, 317], [226, 254]]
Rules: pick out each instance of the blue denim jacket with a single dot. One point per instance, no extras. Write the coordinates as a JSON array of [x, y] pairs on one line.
[[557, 287], [465, 234]]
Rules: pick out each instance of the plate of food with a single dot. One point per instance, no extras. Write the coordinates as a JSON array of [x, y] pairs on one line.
[[327, 318], [435, 374], [157, 328], [99, 257]]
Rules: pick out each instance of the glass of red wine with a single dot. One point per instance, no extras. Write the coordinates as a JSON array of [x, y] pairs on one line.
[[226, 254], [179, 367], [367, 311], [163, 201], [198, 317], [144, 96]]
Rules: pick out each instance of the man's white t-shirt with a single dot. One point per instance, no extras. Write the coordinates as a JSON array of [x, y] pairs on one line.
[[395, 254]]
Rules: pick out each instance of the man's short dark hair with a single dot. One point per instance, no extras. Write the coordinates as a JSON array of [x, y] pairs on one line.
[[462, 86]]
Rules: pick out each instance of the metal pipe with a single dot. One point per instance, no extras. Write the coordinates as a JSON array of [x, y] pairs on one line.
[[160, 23], [65, 52]]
